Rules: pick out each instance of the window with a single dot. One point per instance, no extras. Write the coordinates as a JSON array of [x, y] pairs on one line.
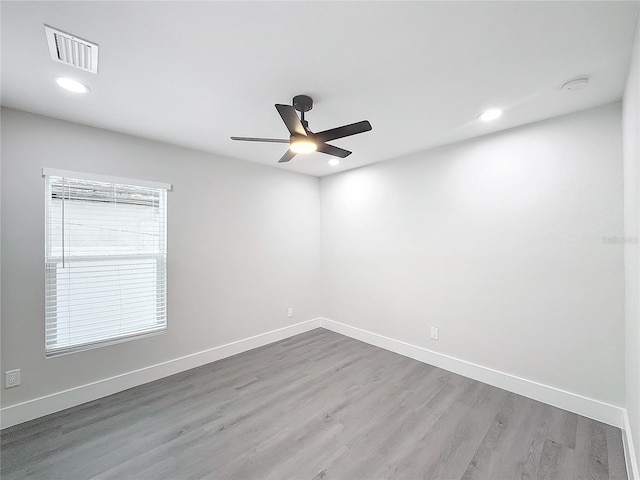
[[106, 260]]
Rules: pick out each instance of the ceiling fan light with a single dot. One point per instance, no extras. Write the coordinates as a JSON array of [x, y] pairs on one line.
[[303, 145]]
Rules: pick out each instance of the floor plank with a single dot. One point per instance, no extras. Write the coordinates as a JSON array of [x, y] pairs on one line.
[[315, 406]]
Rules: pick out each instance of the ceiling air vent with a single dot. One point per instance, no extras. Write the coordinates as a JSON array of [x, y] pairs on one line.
[[71, 50]]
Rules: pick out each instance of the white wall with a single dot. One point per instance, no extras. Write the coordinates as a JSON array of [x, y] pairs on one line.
[[631, 143], [498, 241], [243, 245]]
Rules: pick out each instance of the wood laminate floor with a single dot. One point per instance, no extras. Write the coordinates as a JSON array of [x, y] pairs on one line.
[[315, 406]]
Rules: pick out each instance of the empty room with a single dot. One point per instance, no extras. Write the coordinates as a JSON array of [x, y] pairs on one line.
[[320, 240]]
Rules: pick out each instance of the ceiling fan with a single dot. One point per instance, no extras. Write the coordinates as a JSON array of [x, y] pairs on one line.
[[302, 139]]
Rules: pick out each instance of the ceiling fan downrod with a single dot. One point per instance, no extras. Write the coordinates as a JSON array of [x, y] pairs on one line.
[[303, 103]]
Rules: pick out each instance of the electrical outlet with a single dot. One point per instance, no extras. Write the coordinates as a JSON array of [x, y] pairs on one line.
[[290, 312], [11, 378], [435, 333]]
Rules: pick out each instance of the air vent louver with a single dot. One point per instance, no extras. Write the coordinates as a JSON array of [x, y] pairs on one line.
[[71, 50]]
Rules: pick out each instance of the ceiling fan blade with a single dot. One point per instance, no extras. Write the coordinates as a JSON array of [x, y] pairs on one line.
[[252, 139], [288, 155], [344, 131], [291, 120], [331, 150]]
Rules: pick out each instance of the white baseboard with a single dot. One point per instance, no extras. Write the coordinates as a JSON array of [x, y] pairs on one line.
[[629, 453], [610, 414], [39, 407], [588, 407]]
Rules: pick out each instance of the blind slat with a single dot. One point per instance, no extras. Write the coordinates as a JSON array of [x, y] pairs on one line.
[[108, 312]]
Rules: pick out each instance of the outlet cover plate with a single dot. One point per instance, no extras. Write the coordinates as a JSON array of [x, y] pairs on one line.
[[11, 378], [435, 333]]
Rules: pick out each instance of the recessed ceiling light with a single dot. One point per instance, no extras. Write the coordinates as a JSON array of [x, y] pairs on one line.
[[72, 85], [490, 114], [333, 162], [302, 145]]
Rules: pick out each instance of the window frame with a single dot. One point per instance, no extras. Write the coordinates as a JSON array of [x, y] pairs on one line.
[[52, 262]]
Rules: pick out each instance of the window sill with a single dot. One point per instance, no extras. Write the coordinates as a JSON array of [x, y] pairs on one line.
[[104, 343]]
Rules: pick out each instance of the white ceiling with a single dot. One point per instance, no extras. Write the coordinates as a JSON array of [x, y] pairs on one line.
[[196, 73]]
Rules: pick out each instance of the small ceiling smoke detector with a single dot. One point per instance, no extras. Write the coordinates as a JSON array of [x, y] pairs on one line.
[[71, 50], [334, 162], [575, 84]]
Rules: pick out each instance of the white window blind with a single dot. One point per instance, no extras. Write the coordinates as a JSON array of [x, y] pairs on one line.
[[106, 262]]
